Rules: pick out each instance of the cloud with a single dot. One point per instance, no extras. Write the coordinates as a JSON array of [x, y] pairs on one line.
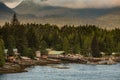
[[84, 3], [9, 0], [71, 3], [11, 3]]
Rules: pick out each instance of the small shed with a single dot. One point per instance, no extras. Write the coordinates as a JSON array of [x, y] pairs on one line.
[[114, 53], [117, 54], [15, 50], [103, 54], [6, 51], [38, 54]]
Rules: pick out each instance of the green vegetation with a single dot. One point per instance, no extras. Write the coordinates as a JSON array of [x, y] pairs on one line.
[[2, 58], [95, 47], [86, 40]]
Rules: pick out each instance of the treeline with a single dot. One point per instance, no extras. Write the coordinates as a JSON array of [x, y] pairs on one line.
[[87, 40]]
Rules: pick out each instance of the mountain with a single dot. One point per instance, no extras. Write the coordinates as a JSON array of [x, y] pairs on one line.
[[29, 7], [61, 15], [112, 18], [28, 11], [114, 15], [5, 12]]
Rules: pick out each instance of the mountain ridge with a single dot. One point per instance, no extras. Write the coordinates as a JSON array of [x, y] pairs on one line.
[[29, 11], [55, 11], [5, 12]]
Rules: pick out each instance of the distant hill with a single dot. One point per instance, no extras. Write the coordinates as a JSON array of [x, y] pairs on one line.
[[114, 15], [5, 12], [29, 7], [28, 11], [62, 15]]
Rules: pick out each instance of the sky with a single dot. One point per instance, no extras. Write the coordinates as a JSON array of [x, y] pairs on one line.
[[70, 3]]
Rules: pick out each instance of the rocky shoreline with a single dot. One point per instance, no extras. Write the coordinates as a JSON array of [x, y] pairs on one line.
[[91, 60], [20, 65]]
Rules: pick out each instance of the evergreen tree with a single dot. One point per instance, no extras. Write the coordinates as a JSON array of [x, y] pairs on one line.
[[2, 57], [15, 20], [95, 47], [66, 45], [10, 45], [31, 37]]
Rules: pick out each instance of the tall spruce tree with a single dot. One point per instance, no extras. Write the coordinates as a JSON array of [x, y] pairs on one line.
[[15, 20], [95, 47], [10, 44], [66, 45]]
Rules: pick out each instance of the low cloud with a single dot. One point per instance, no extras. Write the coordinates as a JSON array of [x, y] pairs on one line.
[[83, 3], [72, 3], [9, 0], [11, 3]]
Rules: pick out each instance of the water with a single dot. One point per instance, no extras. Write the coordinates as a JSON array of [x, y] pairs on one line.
[[75, 72]]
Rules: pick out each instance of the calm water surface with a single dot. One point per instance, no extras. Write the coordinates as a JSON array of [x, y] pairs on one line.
[[75, 72]]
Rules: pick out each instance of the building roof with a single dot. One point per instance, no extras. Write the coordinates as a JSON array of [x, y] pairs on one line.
[[56, 52]]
